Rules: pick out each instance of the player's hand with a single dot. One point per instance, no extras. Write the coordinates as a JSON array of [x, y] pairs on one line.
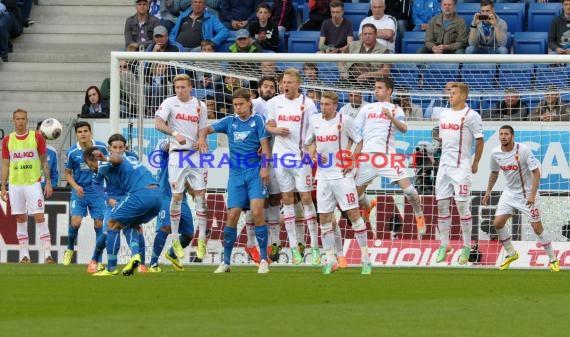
[[79, 192], [202, 146], [48, 190], [530, 202], [348, 169], [180, 139], [4, 195], [321, 159], [112, 202], [264, 174], [282, 131], [475, 168], [388, 113], [486, 199], [98, 155]]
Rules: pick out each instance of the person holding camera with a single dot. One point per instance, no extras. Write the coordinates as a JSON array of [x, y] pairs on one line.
[[488, 32]]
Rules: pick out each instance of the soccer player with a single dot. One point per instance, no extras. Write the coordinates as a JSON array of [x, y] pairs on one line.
[[332, 132], [288, 117], [23, 159], [181, 117], [378, 123], [51, 157], [248, 176], [459, 128], [83, 196], [141, 204], [522, 174], [186, 227]]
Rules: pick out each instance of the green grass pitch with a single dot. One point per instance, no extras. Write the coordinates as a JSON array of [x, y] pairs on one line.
[[52, 300]]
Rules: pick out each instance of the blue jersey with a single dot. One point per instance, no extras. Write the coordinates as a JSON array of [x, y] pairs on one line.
[[244, 139], [51, 156], [128, 177], [114, 191], [82, 175]]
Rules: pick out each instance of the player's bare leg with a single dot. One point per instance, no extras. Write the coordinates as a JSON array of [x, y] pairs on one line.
[[414, 199]]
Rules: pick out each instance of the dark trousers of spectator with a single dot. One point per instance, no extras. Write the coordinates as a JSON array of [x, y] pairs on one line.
[[6, 28], [26, 6], [424, 50]]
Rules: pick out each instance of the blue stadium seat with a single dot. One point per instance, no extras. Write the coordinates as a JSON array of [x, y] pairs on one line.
[[513, 14], [467, 10], [479, 76], [540, 16], [530, 42], [355, 12], [411, 41], [223, 48], [405, 75], [201, 94], [551, 74], [517, 75], [436, 75], [303, 41], [328, 72]]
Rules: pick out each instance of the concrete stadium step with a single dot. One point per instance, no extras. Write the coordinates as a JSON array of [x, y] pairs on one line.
[[68, 28], [70, 39], [86, 11], [86, 3], [47, 97], [30, 56], [97, 20], [61, 86], [51, 67]]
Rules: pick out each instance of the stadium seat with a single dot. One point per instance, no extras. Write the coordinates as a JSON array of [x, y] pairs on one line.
[[405, 75], [518, 76], [551, 74], [436, 75], [224, 47], [303, 41], [479, 76], [411, 41], [328, 72], [467, 10], [530, 42], [540, 16], [513, 14], [355, 12], [201, 94]]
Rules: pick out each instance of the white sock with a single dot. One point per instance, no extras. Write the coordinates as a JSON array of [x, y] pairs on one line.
[[505, 240], [547, 245], [338, 241], [175, 211], [364, 201], [289, 220], [201, 217], [414, 198], [444, 224], [23, 240], [45, 237], [328, 246], [300, 222], [273, 223], [466, 227], [311, 220], [361, 238], [250, 230]]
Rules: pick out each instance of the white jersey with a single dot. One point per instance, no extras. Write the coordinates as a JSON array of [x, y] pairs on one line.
[[331, 136], [458, 131], [260, 107], [186, 118], [376, 128], [349, 109], [294, 115], [385, 22], [517, 165]]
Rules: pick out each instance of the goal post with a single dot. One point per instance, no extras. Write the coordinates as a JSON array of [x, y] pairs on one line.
[[419, 81]]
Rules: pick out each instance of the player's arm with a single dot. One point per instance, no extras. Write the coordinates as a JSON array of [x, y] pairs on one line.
[[492, 180], [534, 188], [265, 153], [68, 173], [161, 126], [272, 128], [395, 119], [5, 168], [479, 144], [53, 171], [48, 190], [202, 134]]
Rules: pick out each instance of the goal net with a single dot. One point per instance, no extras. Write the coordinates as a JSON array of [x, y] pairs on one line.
[[529, 92]]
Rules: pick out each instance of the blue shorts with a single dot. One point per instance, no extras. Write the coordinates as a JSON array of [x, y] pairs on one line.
[[245, 185], [90, 201], [186, 221], [137, 208], [108, 210]]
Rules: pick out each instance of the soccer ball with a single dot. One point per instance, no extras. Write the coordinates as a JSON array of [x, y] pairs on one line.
[[51, 128]]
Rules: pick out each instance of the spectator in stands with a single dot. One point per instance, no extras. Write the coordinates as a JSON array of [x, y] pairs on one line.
[[437, 104], [265, 32], [311, 74], [244, 43], [284, 15], [11, 26], [214, 7], [423, 11], [559, 34], [551, 108], [224, 94], [26, 9], [412, 111], [336, 32], [206, 80], [401, 10], [446, 32], [211, 108], [169, 11], [355, 103], [368, 44], [385, 25], [319, 11], [195, 25], [95, 106], [237, 14], [161, 43], [268, 69], [488, 33], [139, 27], [510, 108]]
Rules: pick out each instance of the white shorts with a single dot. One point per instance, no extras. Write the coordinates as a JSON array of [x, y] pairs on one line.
[[26, 199], [367, 171], [273, 187], [509, 203], [453, 181], [179, 172], [295, 178], [339, 191]]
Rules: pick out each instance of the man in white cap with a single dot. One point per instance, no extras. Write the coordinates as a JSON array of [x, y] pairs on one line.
[[244, 43]]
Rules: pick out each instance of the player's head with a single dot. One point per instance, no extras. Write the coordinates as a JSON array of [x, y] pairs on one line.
[[267, 87], [458, 93], [117, 144], [291, 83], [83, 131], [329, 104], [355, 98], [383, 88], [241, 101], [20, 119], [506, 135], [90, 159], [182, 86]]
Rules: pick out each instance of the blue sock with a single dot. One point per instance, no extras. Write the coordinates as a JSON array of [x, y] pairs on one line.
[[71, 237], [132, 237], [113, 245], [98, 233], [142, 248], [158, 246], [99, 247], [261, 236], [230, 236]]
